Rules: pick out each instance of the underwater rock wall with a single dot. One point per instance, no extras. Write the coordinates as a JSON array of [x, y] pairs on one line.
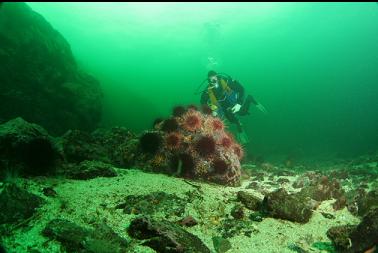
[[39, 78]]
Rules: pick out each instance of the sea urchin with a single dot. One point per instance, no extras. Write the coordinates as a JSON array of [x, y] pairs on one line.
[[217, 124], [192, 121], [226, 142], [170, 125], [173, 140], [205, 146]]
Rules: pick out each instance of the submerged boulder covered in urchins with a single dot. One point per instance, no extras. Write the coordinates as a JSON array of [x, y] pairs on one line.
[[194, 145]]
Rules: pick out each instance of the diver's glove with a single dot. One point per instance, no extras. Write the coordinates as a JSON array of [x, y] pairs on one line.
[[261, 108], [236, 108]]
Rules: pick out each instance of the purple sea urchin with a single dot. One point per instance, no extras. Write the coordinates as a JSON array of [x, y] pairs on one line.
[[170, 125], [217, 124], [192, 121], [173, 140], [205, 146], [226, 142]]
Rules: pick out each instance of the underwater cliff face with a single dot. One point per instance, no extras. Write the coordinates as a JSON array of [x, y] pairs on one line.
[[40, 80]]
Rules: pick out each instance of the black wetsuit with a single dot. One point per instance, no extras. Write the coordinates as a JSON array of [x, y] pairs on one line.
[[225, 104]]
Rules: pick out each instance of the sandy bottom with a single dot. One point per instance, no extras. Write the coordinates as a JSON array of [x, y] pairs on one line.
[[92, 201]]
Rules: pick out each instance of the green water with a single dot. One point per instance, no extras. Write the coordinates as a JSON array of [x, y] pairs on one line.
[[314, 66]]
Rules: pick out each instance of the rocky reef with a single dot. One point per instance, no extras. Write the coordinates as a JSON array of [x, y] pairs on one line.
[[40, 79], [207, 152], [87, 181]]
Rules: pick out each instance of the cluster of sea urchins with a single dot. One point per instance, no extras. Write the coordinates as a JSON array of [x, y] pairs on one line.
[[193, 144]]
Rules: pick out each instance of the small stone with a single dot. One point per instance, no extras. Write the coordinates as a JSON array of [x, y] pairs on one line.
[[188, 221], [49, 192], [237, 212], [221, 245], [256, 216], [328, 215]]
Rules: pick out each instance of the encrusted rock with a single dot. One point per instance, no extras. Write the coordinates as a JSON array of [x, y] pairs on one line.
[[221, 245], [76, 238], [365, 201], [322, 188], [169, 204], [188, 221], [117, 146], [27, 148], [356, 238], [164, 236], [292, 207], [16, 204], [89, 169], [249, 200], [237, 212]]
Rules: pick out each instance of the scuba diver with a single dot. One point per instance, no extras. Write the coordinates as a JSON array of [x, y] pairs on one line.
[[225, 97]]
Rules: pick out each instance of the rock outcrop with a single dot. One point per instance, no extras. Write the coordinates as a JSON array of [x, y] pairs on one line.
[[26, 149], [39, 78]]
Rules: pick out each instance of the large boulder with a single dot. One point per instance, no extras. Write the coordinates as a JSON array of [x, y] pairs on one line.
[[356, 238], [40, 80], [26, 149], [192, 144], [363, 202], [293, 207]]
